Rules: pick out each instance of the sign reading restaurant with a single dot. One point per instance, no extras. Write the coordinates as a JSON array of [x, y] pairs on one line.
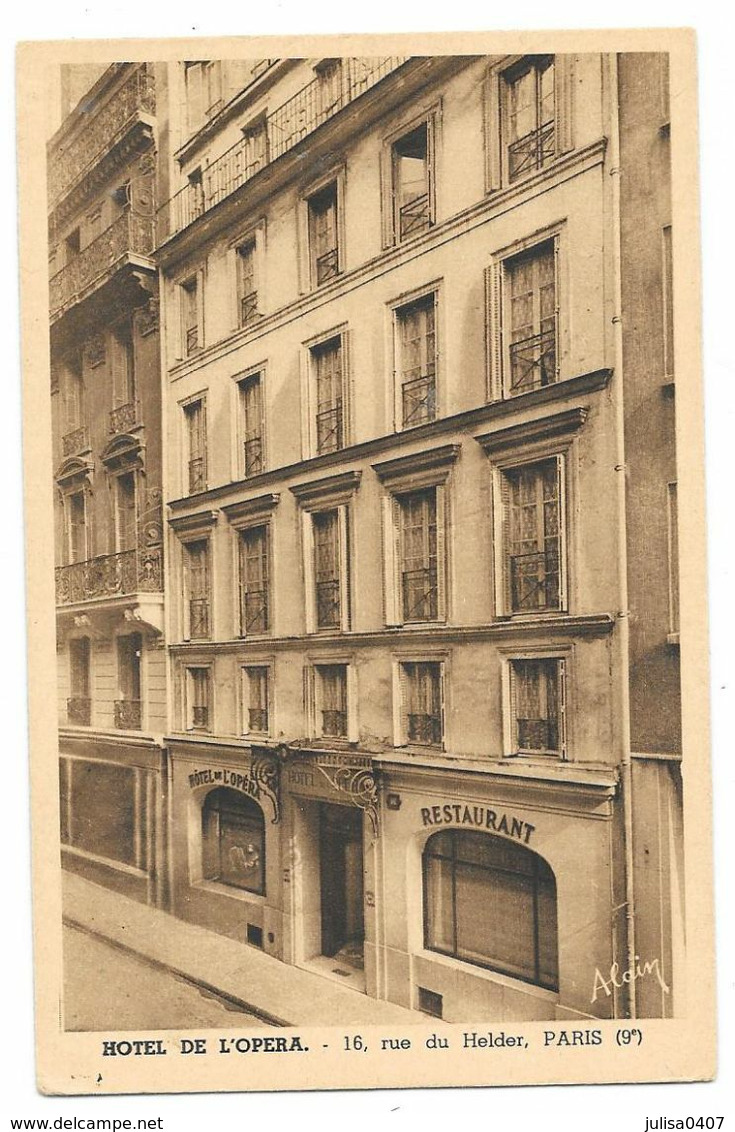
[[481, 817]]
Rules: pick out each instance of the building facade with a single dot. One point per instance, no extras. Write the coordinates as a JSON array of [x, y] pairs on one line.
[[410, 502], [106, 418]]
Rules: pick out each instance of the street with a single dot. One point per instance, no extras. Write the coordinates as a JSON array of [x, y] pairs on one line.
[[106, 988]]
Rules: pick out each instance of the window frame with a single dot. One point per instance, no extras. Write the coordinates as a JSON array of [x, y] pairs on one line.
[[187, 408], [198, 539], [266, 666], [117, 531], [313, 695], [188, 698], [336, 175], [209, 857], [191, 282], [309, 419], [400, 310], [245, 530], [564, 658], [402, 696], [431, 116], [119, 673], [252, 376], [88, 681], [254, 236]]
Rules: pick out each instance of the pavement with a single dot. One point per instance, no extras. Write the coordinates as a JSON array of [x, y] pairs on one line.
[[272, 991]]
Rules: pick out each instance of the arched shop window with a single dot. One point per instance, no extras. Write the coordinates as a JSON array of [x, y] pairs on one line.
[[233, 840], [491, 902]]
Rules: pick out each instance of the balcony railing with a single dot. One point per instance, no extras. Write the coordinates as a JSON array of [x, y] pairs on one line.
[[103, 128], [248, 308], [75, 441], [334, 724], [258, 719], [124, 417], [327, 266], [79, 710], [128, 715], [423, 728], [253, 455], [419, 400], [534, 580], [129, 233], [327, 604], [414, 217], [532, 151], [420, 594], [255, 611], [532, 362], [197, 475], [199, 617], [300, 116], [329, 429], [110, 575]]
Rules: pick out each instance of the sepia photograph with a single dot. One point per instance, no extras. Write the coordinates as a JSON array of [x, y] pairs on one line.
[[362, 497]]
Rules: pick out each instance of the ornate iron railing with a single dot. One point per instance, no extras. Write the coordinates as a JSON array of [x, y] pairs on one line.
[[414, 217], [255, 611], [128, 715], [329, 430], [197, 475], [200, 715], [532, 362], [75, 441], [532, 151], [420, 594], [192, 340], [285, 128], [124, 417], [327, 266], [253, 451], [534, 580], [258, 719], [129, 572], [79, 710], [199, 617], [538, 734], [69, 162], [327, 604], [129, 233], [334, 723], [423, 728], [419, 400], [248, 308]]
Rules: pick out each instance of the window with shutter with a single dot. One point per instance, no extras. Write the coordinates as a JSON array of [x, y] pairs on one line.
[[247, 283], [79, 703], [251, 416], [256, 679], [128, 708], [76, 510], [331, 700], [418, 564], [323, 235], [417, 361], [530, 116], [327, 362], [254, 584], [533, 526], [198, 584], [190, 328], [668, 303], [423, 709], [411, 159], [196, 426], [537, 706], [126, 520], [198, 690], [327, 569], [531, 312]]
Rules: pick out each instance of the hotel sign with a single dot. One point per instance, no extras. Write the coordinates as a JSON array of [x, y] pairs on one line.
[[260, 778]]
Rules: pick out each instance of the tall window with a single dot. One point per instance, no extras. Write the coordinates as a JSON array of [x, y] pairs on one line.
[[198, 699], [233, 840], [417, 356], [190, 316], [196, 436], [123, 365], [76, 512], [418, 558], [531, 311], [327, 363], [668, 301], [251, 417], [73, 392], [198, 589], [128, 708], [79, 703], [537, 706], [255, 693], [126, 520], [422, 707], [492, 902], [530, 115], [329, 87], [255, 148], [534, 536], [331, 700], [327, 563], [254, 581], [412, 190], [323, 235], [247, 284]]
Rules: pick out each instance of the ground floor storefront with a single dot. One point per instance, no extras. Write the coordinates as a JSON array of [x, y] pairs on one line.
[[471, 893], [112, 812]]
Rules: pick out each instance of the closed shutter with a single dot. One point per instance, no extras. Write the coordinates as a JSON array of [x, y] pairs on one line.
[[563, 549], [431, 132], [442, 572], [564, 88], [307, 539], [493, 163], [494, 330], [562, 704], [503, 596], [343, 515]]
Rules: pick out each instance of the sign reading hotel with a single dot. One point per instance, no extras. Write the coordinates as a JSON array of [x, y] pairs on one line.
[[222, 776], [481, 817]]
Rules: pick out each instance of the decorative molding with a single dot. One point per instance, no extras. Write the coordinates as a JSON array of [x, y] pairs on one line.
[[123, 451], [199, 521], [333, 489], [95, 351], [434, 463], [244, 510], [527, 432], [352, 776]]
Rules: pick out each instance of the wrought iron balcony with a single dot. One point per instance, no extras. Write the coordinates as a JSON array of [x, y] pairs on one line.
[[124, 417], [130, 233], [532, 362], [253, 451], [334, 724], [534, 580], [248, 308], [285, 127], [197, 475], [532, 151], [255, 611], [329, 429], [199, 617], [424, 728], [79, 710], [258, 719], [105, 126], [327, 266], [414, 217], [419, 400], [110, 575], [327, 604], [128, 715], [75, 441], [420, 594]]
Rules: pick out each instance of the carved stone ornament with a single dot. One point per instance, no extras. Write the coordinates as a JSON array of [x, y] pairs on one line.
[[95, 351]]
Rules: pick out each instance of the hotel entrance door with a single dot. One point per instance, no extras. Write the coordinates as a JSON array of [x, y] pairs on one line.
[[341, 875]]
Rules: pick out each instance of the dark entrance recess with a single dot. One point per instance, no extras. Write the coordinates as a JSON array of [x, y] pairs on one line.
[[341, 875]]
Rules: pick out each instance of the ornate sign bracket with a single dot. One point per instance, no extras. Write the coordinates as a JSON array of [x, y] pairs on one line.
[[266, 774], [356, 781]]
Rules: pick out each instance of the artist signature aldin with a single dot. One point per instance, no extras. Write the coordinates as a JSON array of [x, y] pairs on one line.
[[618, 978]]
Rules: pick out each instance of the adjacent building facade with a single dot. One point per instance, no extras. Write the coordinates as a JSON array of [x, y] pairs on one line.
[[106, 414], [420, 549]]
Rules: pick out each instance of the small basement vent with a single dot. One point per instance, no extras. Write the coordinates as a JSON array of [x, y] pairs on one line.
[[430, 1002], [255, 935]]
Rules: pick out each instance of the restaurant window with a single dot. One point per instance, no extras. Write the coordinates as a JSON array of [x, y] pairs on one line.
[[103, 811], [79, 703], [412, 181], [331, 701], [254, 581], [198, 693], [328, 382], [419, 565], [537, 707], [422, 706], [233, 840], [530, 115], [195, 419], [250, 391], [247, 283], [416, 363], [491, 902], [126, 519], [533, 518], [255, 699], [198, 589], [128, 707], [324, 254]]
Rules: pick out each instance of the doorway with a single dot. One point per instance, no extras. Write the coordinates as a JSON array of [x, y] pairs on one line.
[[341, 879]]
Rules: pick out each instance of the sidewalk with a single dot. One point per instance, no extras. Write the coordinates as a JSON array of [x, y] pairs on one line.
[[279, 993]]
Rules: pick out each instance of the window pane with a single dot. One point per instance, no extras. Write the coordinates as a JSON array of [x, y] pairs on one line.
[[438, 896], [495, 919], [103, 810], [233, 840]]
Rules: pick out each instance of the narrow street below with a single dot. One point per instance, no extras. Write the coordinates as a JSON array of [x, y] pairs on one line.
[[106, 988]]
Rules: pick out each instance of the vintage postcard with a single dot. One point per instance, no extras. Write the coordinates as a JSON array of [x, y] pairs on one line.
[[366, 561]]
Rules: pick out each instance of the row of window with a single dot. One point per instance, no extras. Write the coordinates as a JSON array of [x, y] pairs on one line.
[[128, 707], [534, 696]]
